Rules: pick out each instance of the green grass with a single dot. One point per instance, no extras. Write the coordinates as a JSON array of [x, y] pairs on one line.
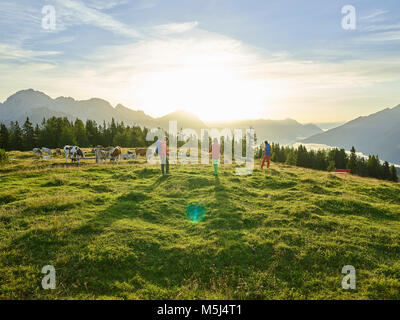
[[120, 232]]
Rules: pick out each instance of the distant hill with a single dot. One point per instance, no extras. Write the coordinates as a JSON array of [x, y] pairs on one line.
[[37, 105], [329, 125], [378, 133], [282, 131]]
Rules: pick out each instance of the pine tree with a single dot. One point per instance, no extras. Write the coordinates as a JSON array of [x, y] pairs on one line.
[[113, 130], [122, 139], [321, 162], [29, 135], [301, 159], [50, 134], [393, 174], [92, 133], [4, 137], [291, 158], [362, 167], [373, 167], [17, 137], [67, 137], [80, 133], [386, 174], [352, 163]]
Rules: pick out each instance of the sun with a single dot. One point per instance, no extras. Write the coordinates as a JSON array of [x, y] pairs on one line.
[[211, 93]]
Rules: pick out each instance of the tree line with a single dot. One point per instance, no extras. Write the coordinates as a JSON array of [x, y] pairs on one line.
[[328, 160], [58, 132]]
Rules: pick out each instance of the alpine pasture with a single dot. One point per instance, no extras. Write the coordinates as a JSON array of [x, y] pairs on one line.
[[120, 232]]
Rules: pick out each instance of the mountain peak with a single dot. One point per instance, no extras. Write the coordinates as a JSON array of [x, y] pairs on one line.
[[179, 114], [28, 97], [28, 93]]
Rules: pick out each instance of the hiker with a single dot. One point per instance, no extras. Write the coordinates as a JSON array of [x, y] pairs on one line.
[[162, 150], [215, 149], [267, 154]]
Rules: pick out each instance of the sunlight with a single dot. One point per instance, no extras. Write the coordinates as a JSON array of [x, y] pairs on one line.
[[210, 93]]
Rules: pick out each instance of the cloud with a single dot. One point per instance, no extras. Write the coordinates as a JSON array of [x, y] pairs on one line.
[[381, 37], [174, 28], [375, 16], [201, 71], [9, 51], [382, 27], [105, 4], [212, 74], [59, 40], [76, 12]]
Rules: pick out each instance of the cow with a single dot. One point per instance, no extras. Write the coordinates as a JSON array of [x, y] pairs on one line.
[[74, 153], [115, 154], [101, 155], [37, 151], [46, 150], [141, 152]]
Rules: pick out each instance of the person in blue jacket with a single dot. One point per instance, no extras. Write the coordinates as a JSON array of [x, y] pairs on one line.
[[267, 154]]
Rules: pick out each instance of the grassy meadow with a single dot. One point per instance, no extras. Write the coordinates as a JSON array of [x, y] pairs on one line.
[[120, 232]]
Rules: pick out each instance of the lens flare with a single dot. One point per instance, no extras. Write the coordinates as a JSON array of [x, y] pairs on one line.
[[195, 212]]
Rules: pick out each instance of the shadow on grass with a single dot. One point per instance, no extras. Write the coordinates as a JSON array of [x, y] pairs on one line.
[[355, 208]]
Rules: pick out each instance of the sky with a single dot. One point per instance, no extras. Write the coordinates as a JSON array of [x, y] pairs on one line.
[[219, 59]]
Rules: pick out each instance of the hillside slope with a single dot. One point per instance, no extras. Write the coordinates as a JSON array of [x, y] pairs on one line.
[[121, 232], [377, 133]]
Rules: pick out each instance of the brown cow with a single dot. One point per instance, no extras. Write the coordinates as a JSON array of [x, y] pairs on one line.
[[74, 153], [141, 152], [115, 154]]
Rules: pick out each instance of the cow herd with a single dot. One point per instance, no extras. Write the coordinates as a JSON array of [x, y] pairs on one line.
[[74, 153]]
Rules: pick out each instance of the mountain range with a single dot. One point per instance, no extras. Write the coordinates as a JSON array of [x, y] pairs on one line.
[[37, 105], [376, 134]]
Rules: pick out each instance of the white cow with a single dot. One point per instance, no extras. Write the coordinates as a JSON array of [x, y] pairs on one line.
[[46, 150], [101, 156], [73, 153]]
